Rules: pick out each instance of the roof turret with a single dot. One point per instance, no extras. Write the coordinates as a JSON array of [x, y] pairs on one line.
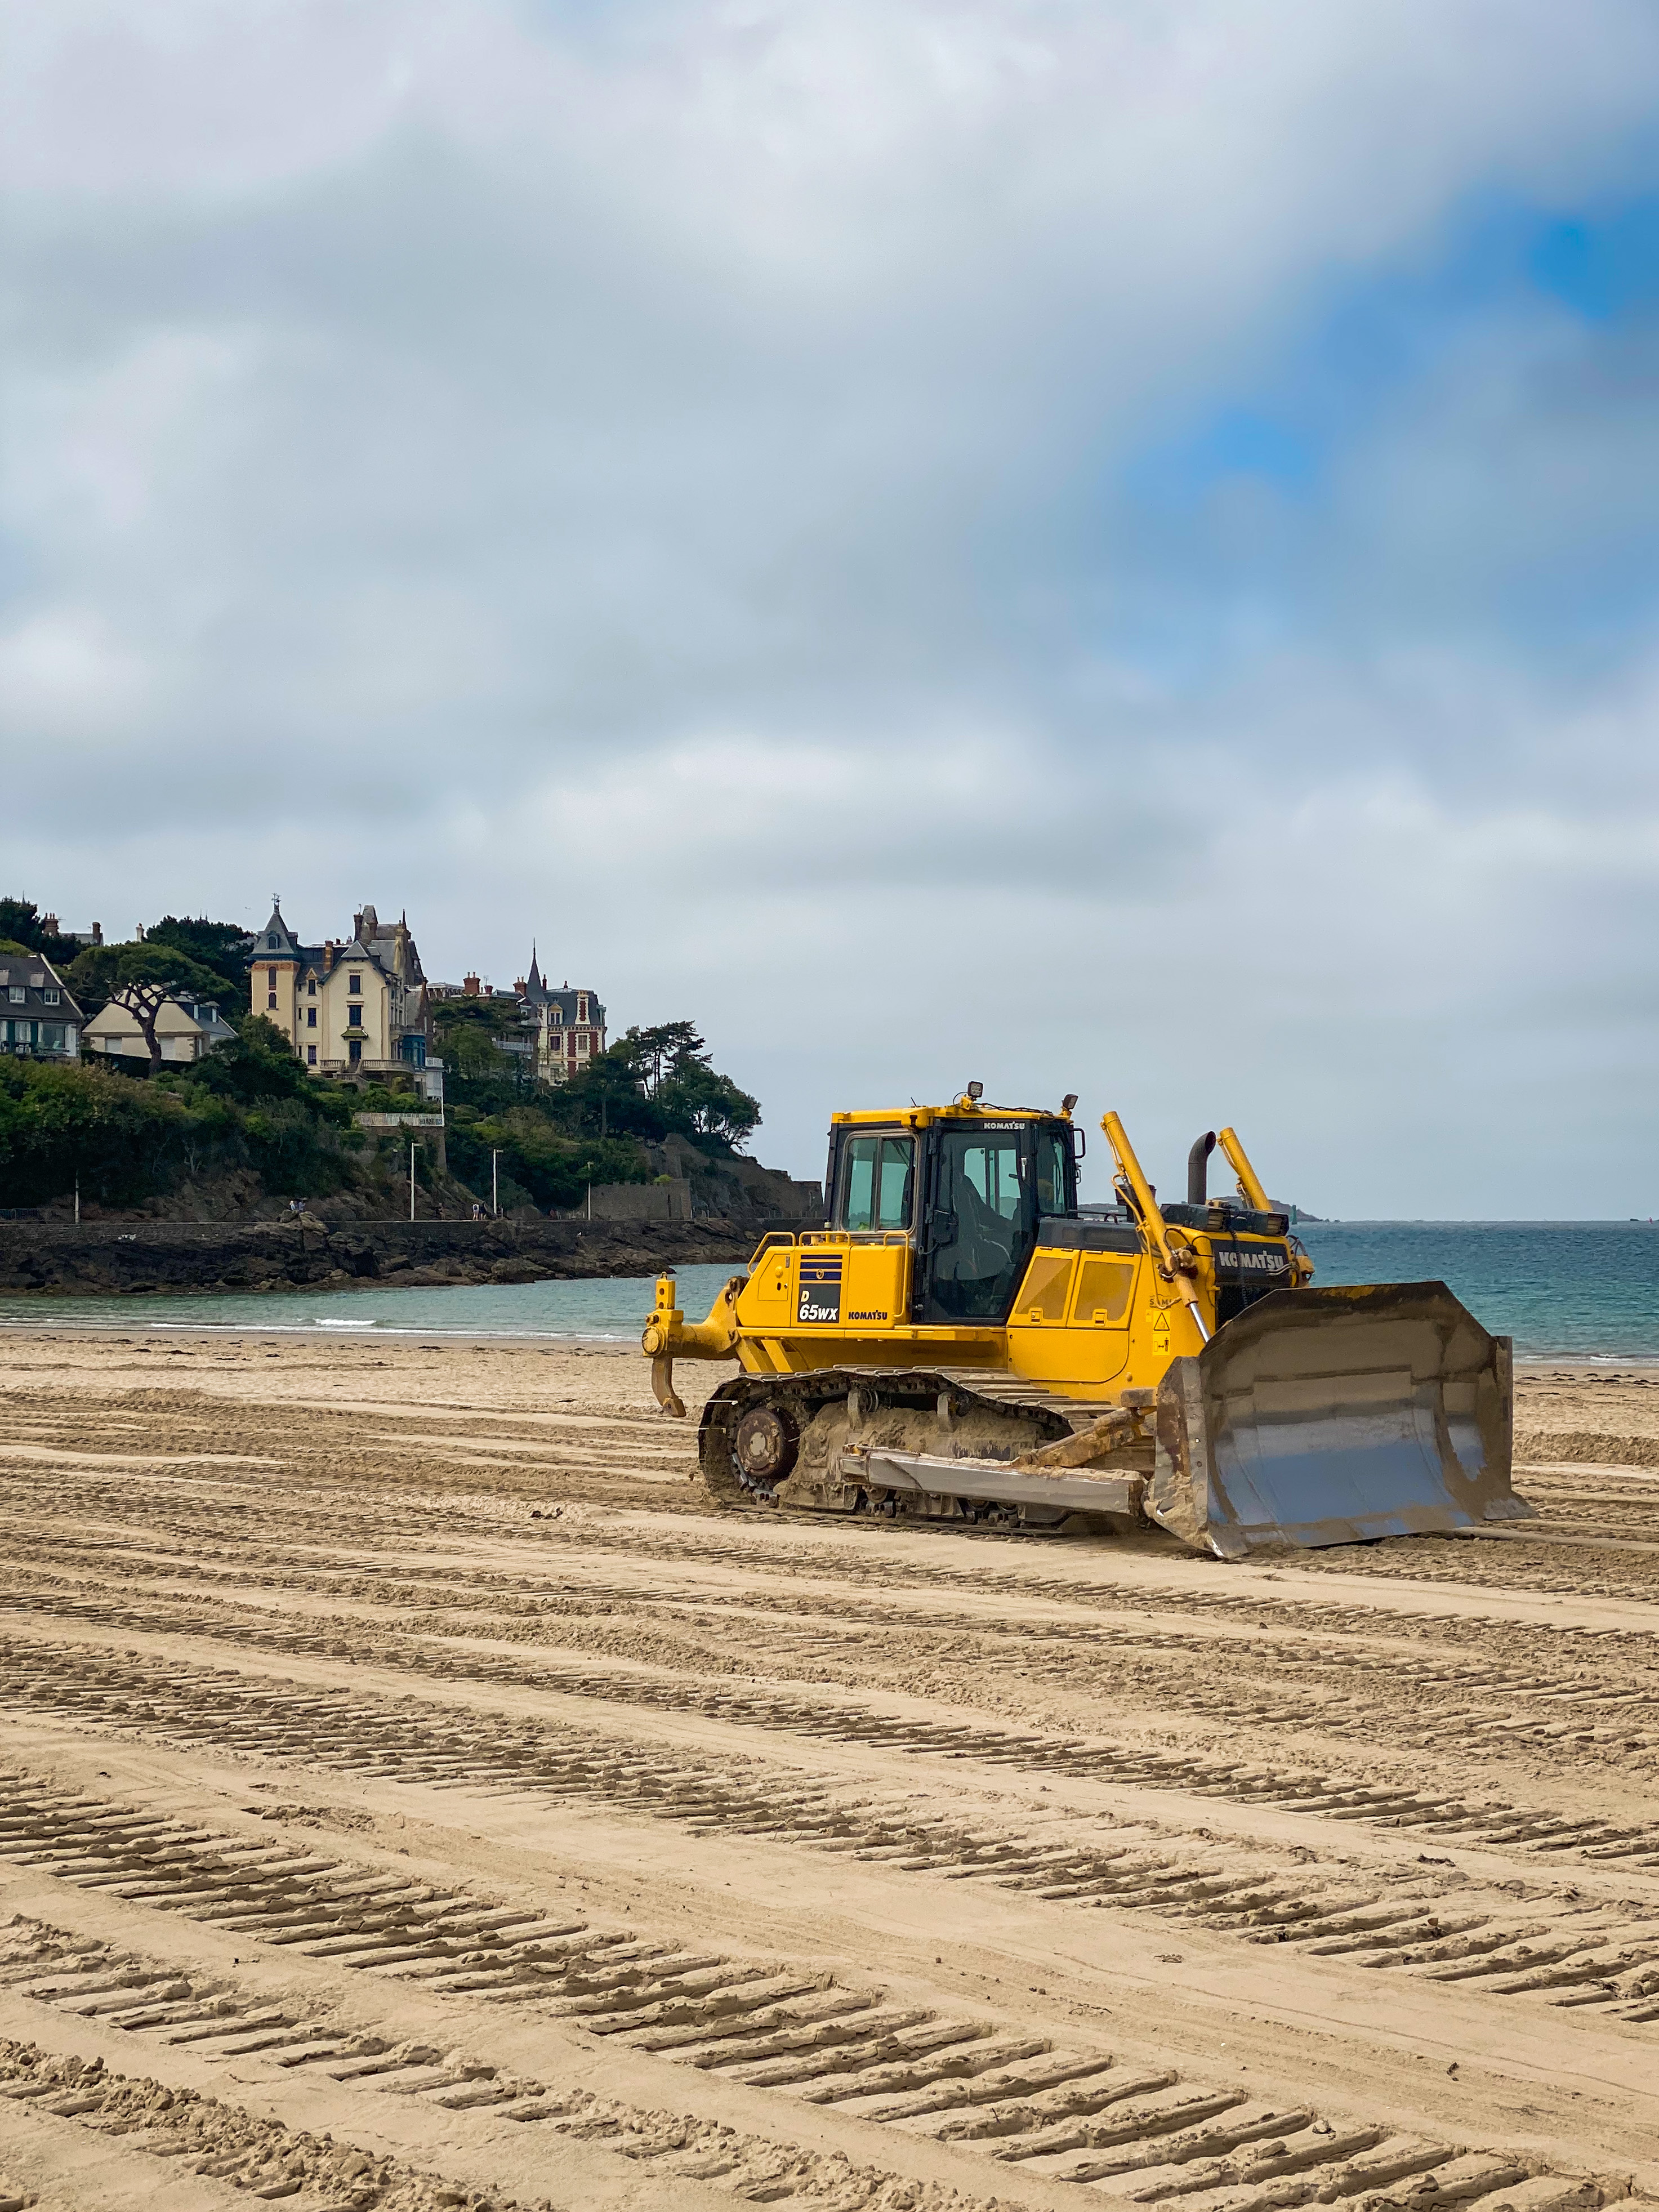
[[275, 940], [534, 992]]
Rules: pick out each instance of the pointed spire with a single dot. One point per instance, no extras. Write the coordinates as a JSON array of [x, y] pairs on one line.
[[275, 940]]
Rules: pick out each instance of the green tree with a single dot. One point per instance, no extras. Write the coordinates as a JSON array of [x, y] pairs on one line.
[[222, 947], [700, 1103], [477, 1072], [99, 971], [655, 1081], [606, 1099], [20, 925], [656, 1055]]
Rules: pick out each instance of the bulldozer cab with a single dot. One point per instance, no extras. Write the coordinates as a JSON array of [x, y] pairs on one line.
[[970, 1189]]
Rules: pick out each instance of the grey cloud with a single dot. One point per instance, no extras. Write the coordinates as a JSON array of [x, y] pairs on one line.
[[653, 480]]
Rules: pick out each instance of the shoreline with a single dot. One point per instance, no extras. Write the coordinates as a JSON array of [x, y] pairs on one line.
[[400, 1335], [1539, 1367]]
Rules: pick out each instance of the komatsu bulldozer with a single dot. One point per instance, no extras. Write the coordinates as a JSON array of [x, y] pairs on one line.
[[963, 1342]]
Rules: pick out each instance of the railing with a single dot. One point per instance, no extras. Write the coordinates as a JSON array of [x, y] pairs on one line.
[[836, 1236]]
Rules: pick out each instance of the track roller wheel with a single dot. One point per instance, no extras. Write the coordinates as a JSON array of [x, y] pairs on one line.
[[764, 1445]]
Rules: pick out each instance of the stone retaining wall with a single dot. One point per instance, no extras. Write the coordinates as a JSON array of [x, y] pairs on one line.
[[100, 1257]]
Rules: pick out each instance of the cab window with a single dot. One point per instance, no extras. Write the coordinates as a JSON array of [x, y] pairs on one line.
[[981, 1227], [1053, 1172], [877, 1178], [990, 1170]]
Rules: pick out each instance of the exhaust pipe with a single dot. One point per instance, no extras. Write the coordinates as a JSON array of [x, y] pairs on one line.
[[1197, 1166]]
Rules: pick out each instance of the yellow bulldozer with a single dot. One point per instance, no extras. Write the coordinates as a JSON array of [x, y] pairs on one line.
[[963, 1342]]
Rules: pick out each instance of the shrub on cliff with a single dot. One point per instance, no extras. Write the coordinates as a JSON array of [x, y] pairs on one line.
[[258, 1064], [554, 1169], [124, 1140]]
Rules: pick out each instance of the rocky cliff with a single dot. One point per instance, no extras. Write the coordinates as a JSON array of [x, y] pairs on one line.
[[179, 1255]]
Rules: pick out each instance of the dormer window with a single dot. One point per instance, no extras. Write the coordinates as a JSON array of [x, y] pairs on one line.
[[50, 997], [271, 943], [310, 988]]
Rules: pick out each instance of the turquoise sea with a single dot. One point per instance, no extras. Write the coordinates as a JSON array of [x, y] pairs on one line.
[[1589, 1289]]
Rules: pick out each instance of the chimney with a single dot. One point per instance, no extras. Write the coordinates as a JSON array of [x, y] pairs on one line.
[[519, 985], [471, 986], [97, 933], [328, 955], [49, 924], [356, 925]]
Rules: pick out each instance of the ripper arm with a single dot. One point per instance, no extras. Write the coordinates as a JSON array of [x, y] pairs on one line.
[[669, 1336]]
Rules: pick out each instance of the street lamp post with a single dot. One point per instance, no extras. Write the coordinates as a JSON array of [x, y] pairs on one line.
[[413, 1149], [495, 1186]]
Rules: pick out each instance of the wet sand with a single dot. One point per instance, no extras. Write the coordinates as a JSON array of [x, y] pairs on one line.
[[413, 1794]]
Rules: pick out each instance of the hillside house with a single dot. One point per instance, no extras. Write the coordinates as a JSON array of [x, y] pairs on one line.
[[39, 1018], [187, 1030], [569, 1025], [353, 1009]]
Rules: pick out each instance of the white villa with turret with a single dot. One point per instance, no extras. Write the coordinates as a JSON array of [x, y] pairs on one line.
[[355, 1009]]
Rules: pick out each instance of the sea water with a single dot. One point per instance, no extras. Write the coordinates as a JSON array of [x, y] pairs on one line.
[[1588, 1290]]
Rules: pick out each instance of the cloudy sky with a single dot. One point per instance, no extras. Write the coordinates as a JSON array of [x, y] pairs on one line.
[[1107, 545]]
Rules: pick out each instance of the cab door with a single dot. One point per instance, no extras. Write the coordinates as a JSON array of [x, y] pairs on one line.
[[981, 1220], [875, 1206]]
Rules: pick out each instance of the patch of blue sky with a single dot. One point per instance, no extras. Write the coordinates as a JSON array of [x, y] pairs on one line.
[[1248, 518], [1356, 349], [1604, 266]]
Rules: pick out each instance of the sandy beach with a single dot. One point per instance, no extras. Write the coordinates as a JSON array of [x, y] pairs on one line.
[[413, 1794]]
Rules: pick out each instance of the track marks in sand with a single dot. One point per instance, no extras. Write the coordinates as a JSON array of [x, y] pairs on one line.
[[1567, 1704], [1056, 2111], [1562, 1951], [224, 2141], [1491, 1823], [271, 2162], [838, 1734]]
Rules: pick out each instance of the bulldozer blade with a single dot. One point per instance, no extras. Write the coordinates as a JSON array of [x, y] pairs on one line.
[[1336, 1416]]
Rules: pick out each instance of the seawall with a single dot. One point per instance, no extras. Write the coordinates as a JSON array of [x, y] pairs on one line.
[[100, 1257]]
